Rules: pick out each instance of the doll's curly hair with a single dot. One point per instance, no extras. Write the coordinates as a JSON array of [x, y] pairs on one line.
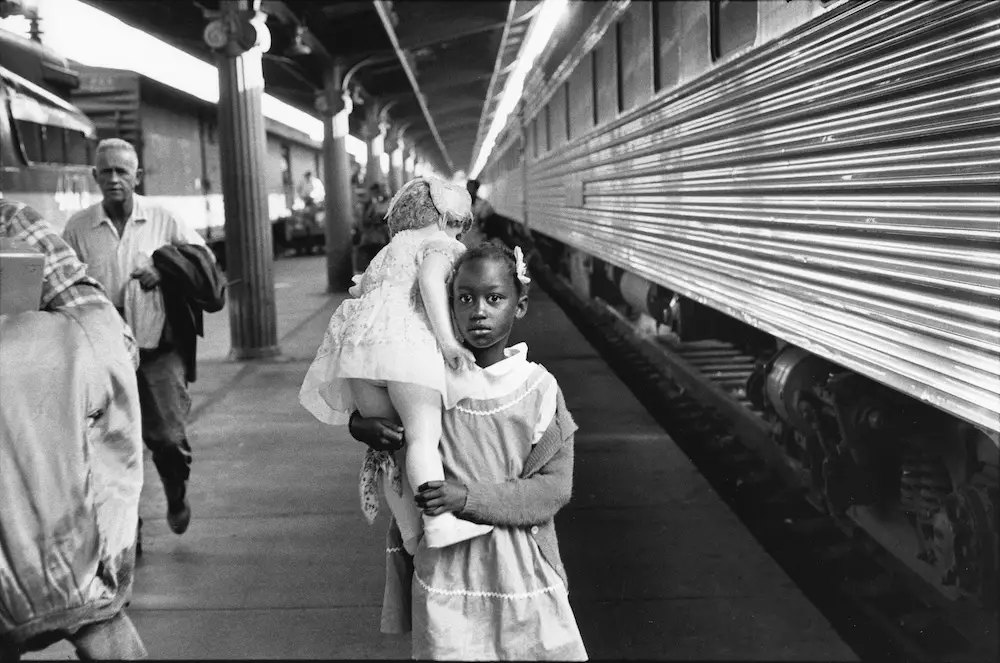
[[413, 208]]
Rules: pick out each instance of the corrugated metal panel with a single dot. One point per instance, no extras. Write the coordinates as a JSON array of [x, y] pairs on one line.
[[837, 188]]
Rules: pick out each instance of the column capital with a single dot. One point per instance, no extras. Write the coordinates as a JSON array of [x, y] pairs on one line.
[[236, 29], [330, 101], [391, 141]]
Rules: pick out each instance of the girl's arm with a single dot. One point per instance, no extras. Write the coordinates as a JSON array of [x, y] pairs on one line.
[[378, 433], [523, 502], [519, 502], [433, 280]]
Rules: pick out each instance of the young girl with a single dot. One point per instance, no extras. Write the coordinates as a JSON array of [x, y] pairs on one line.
[[508, 460], [386, 351]]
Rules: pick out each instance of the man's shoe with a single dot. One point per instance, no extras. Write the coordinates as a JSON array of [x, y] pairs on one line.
[[178, 509]]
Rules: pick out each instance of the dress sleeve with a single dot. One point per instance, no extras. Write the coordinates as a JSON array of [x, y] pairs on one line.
[[442, 244]]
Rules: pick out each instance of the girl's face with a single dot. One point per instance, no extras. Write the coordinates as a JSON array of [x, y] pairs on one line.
[[486, 304]]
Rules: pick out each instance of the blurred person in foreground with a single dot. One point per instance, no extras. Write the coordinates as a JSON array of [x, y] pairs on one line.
[[70, 457], [160, 276]]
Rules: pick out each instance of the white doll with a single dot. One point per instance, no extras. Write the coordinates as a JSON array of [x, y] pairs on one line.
[[392, 352]]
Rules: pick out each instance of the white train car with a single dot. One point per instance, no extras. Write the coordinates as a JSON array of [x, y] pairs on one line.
[[821, 174]]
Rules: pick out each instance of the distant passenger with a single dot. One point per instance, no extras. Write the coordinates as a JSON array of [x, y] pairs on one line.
[[372, 230], [70, 458], [485, 225], [311, 189], [121, 239], [508, 460]]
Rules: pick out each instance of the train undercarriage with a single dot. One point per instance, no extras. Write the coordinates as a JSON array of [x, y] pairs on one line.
[[920, 482]]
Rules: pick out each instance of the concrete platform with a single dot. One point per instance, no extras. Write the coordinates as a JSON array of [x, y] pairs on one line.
[[279, 563]]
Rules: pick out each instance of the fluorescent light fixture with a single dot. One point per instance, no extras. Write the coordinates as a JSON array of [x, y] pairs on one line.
[[90, 36], [538, 36]]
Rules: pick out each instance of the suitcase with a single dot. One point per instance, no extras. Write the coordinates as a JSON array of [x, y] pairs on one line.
[[21, 269]]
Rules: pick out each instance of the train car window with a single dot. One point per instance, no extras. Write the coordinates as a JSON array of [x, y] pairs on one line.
[[618, 66], [557, 118], [533, 138], [77, 148], [54, 144], [734, 25], [30, 135], [566, 117], [581, 98], [636, 59], [667, 44], [606, 77], [546, 129], [593, 86]]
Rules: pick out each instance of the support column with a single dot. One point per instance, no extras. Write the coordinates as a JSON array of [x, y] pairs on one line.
[[523, 146], [409, 161], [336, 107], [374, 134], [238, 36], [393, 147]]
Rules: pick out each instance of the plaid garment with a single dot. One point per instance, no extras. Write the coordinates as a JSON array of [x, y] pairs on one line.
[[64, 278]]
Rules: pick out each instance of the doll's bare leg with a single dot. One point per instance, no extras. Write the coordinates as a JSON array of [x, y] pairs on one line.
[[420, 410], [373, 401]]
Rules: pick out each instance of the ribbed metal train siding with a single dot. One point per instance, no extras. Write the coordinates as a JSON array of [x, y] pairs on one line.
[[837, 188]]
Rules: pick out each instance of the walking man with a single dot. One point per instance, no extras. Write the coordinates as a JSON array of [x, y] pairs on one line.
[[117, 239]]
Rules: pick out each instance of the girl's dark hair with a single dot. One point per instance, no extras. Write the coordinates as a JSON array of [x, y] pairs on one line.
[[493, 249]]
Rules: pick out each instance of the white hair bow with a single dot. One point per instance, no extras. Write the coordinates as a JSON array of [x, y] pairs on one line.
[[450, 198], [520, 267]]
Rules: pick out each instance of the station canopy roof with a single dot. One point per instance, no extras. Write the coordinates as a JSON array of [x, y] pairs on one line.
[[459, 54]]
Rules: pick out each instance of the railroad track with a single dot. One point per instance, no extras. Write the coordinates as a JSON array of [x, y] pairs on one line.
[[696, 391]]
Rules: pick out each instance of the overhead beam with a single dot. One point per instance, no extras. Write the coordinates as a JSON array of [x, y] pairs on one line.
[[496, 85], [454, 79], [467, 121], [383, 13], [449, 31], [459, 106]]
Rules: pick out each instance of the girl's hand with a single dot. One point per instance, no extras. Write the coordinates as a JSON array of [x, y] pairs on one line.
[[437, 497], [458, 357], [379, 434]]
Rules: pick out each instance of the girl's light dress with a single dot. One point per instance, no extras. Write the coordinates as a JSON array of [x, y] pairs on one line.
[[383, 333], [495, 596]]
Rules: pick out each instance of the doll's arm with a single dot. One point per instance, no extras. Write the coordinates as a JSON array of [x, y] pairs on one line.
[[433, 280]]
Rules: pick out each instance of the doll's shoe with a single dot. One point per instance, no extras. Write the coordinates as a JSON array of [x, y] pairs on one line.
[[446, 530]]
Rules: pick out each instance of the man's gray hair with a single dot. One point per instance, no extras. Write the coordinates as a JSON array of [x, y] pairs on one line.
[[109, 144]]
